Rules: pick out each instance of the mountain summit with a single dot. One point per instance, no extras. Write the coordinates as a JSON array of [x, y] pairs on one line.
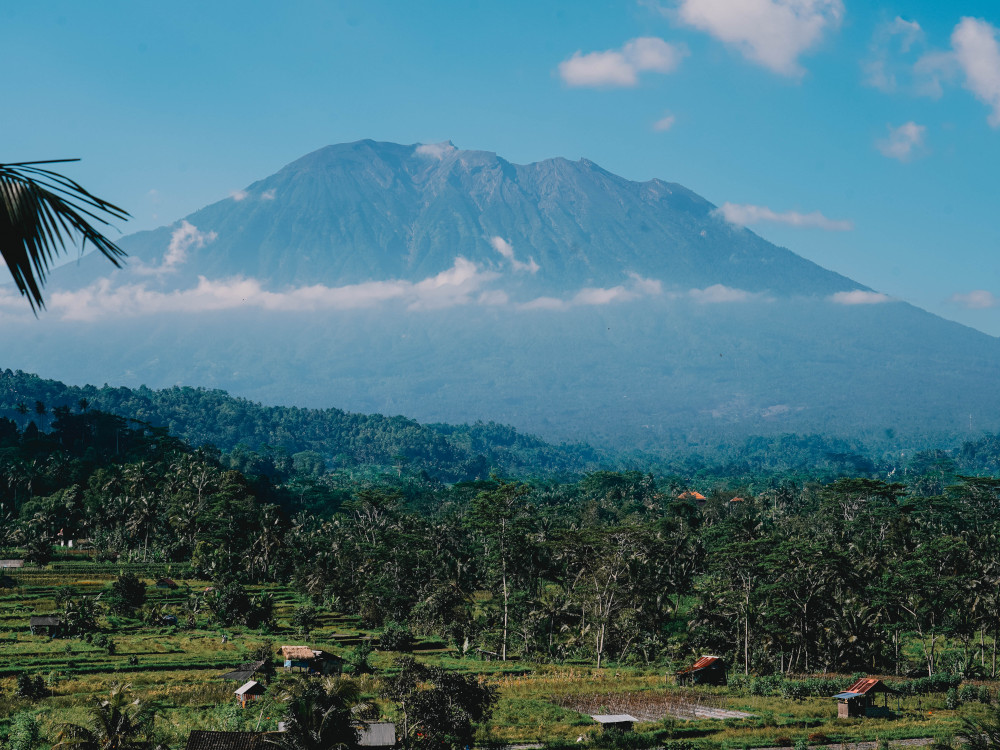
[[452, 286], [369, 211]]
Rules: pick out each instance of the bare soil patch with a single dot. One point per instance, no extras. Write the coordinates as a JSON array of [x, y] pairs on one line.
[[652, 706]]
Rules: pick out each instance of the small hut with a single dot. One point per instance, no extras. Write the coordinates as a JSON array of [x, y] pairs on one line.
[[5, 564], [166, 583], [615, 722], [249, 692], [380, 735], [45, 625], [860, 699], [311, 661], [708, 670]]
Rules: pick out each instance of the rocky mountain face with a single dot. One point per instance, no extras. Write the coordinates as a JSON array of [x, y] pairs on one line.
[[451, 286]]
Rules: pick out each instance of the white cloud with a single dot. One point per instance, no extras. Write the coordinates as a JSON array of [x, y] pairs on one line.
[[978, 54], [881, 69], [978, 299], [772, 33], [590, 296], [239, 195], [459, 285], [719, 293], [507, 251], [182, 239], [743, 214], [621, 68], [904, 143], [860, 297], [267, 195], [664, 123], [543, 303], [435, 150], [932, 70]]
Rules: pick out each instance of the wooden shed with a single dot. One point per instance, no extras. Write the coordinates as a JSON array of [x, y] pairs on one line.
[[708, 670], [166, 583], [860, 699], [615, 722], [249, 692], [45, 625]]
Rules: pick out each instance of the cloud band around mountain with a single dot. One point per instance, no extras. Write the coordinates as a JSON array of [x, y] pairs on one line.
[[744, 214]]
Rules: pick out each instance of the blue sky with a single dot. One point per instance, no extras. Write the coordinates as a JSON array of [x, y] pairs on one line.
[[863, 136]]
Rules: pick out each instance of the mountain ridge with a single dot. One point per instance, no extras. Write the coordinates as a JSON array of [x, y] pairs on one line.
[[455, 286]]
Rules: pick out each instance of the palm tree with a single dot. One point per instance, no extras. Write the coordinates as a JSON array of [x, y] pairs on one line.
[[42, 211], [320, 715], [114, 724]]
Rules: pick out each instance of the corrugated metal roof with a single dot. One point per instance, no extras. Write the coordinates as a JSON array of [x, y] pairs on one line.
[[11, 563], [690, 495], [613, 718], [45, 620], [203, 740], [868, 685], [377, 734], [705, 661], [251, 687], [848, 695]]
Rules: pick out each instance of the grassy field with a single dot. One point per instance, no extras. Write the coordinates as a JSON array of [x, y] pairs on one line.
[[179, 670]]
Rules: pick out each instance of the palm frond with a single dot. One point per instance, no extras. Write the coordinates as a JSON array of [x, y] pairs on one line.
[[43, 212]]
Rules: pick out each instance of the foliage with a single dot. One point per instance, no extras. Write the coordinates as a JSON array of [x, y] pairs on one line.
[[439, 708], [25, 734], [318, 715], [395, 637], [112, 724], [127, 593], [40, 211]]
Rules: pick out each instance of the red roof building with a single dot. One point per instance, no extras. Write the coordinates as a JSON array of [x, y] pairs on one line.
[[708, 670]]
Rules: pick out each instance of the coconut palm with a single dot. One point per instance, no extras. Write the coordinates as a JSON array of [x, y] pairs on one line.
[[113, 724], [41, 212]]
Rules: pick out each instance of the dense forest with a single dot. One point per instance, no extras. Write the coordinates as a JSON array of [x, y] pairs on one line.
[[785, 575]]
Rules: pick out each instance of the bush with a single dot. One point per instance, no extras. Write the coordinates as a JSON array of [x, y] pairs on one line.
[[127, 594], [106, 642], [305, 618], [395, 637], [984, 695], [951, 701], [24, 732], [968, 693], [30, 687]]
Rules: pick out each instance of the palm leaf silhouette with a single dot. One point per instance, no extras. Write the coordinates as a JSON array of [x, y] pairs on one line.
[[41, 213]]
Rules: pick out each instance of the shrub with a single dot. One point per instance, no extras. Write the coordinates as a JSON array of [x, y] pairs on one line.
[[24, 732], [968, 693], [30, 687], [127, 594], [984, 695], [951, 700], [305, 618], [395, 637]]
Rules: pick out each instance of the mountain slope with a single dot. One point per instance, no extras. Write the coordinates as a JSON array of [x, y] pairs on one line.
[[454, 286], [371, 211]]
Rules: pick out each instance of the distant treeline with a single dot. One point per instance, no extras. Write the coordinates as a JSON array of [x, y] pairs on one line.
[[342, 440]]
